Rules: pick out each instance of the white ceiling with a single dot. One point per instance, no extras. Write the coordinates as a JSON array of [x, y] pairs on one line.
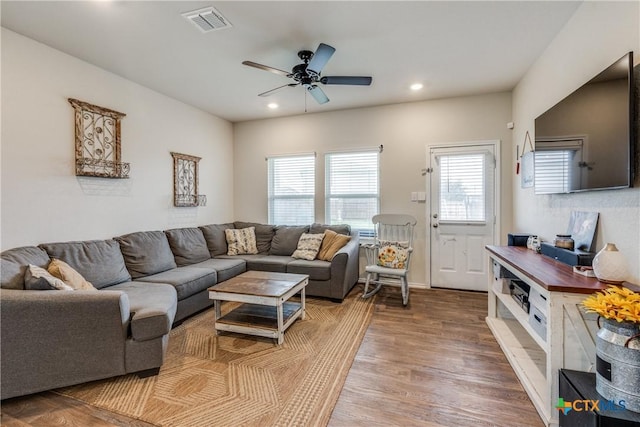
[[453, 47]]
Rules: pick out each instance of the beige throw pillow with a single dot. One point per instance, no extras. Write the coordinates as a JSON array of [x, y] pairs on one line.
[[38, 279], [241, 241], [331, 244], [308, 246], [67, 274]]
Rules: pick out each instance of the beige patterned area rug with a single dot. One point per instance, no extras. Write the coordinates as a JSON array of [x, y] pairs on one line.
[[233, 380]]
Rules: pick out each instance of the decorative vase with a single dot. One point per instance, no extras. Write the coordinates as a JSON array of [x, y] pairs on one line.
[[609, 265], [618, 363]]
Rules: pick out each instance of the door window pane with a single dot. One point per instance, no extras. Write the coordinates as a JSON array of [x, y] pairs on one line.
[[462, 187]]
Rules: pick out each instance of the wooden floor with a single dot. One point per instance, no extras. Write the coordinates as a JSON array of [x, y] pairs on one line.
[[433, 363]]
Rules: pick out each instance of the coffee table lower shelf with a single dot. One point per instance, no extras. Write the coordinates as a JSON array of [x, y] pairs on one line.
[[260, 320]]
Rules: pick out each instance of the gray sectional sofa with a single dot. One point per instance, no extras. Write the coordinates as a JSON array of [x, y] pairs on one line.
[[147, 282]]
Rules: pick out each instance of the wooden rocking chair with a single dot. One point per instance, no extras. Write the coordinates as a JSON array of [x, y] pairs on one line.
[[389, 257]]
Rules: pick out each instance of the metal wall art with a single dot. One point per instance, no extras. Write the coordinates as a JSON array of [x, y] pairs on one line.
[[98, 141], [185, 181]]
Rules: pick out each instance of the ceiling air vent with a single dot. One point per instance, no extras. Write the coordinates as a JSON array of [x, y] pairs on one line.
[[207, 19]]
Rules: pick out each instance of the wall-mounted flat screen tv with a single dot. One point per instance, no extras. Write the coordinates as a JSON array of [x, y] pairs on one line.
[[586, 141]]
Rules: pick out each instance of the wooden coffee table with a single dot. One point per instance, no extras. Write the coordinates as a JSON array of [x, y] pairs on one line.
[[266, 310]]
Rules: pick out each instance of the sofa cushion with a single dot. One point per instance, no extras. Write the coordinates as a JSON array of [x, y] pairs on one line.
[[264, 234], [38, 279], [216, 238], [286, 239], [226, 268], [316, 269], [188, 245], [146, 253], [14, 262], [338, 228], [153, 307], [241, 242], [275, 263], [308, 246], [100, 262], [187, 280], [331, 244]]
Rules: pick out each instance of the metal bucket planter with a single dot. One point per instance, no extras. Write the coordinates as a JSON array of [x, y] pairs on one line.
[[618, 363]]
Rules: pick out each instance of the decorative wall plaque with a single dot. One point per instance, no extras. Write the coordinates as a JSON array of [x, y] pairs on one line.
[[185, 181], [98, 141]]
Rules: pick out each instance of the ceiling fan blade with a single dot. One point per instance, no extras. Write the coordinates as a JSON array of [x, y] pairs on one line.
[[267, 68], [269, 92], [318, 94], [320, 58], [346, 80]]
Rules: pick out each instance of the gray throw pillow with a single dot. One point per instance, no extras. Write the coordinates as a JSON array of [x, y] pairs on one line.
[[188, 245], [286, 239]]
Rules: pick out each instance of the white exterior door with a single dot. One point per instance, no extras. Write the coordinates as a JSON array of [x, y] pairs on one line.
[[462, 214]]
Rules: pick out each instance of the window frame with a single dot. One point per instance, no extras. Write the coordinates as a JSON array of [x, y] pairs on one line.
[[368, 232], [272, 198]]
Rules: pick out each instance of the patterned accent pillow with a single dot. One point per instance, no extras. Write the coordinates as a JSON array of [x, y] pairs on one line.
[[38, 279], [69, 275], [393, 254], [241, 241], [308, 246]]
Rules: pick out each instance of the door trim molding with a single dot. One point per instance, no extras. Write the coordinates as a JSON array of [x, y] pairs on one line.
[[497, 197]]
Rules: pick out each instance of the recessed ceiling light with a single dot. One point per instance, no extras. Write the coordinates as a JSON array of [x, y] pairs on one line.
[[272, 105], [416, 86]]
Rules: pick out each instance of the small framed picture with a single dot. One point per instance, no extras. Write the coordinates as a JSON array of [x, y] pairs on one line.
[[526, 177]]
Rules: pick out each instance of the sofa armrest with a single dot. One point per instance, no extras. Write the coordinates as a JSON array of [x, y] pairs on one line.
[[345, 268], [58, 338]]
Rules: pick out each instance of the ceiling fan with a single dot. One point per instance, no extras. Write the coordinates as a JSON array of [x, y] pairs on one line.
[[308, 76]]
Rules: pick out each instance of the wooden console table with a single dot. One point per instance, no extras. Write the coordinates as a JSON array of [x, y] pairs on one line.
[[535, 352]]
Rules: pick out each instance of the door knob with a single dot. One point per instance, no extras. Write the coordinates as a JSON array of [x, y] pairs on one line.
[[435, 225]]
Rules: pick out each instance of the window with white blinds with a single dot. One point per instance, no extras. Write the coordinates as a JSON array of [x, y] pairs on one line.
[[462, 187], [352, 190], [291, 189]]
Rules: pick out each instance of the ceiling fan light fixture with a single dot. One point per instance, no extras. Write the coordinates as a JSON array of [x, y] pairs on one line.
[[272, 105], [416, 86]]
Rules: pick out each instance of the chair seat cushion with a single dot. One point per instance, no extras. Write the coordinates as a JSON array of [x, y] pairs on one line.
[[187, 280], [399, 272]]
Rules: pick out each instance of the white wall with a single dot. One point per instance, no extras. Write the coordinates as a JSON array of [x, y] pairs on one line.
[[42, 199], [597, 35], [405, 130]]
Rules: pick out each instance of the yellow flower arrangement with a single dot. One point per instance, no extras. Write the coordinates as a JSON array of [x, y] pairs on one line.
[[615, 303]]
